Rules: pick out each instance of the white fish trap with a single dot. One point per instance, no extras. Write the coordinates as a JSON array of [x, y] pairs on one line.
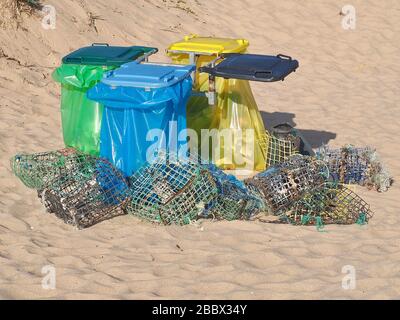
[[171, 192], [351, 165]]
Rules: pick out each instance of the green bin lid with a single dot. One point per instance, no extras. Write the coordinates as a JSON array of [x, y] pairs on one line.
[[105, 55]]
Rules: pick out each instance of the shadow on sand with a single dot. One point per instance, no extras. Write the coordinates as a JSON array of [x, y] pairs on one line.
[[314, 137]]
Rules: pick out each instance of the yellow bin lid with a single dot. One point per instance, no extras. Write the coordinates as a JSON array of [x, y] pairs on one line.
[[208, 45]]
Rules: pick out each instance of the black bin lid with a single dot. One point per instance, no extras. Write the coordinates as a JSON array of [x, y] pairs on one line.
[[253, 67]]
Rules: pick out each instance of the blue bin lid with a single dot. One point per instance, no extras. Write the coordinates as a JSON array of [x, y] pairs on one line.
[[253, 67], [147, 75], [105, 55]]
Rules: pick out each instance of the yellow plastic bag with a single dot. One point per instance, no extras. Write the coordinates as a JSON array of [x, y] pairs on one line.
[[235, 109]]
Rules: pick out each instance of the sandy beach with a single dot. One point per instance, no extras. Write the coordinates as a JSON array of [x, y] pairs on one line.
[[346, 90]]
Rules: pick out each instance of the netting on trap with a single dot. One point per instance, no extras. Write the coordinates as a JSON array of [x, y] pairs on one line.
[[351, 165], [92, 192], [329, 204], [276, 149], [288, 181], [38, 169], [234, 201], [171, 192]]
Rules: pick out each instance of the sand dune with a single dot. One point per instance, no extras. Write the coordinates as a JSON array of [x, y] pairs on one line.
[[345, 91]]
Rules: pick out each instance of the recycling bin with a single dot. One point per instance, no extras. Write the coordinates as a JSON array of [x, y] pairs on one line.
[[263, 68], [235, 108], [79, 71], [144, 111]]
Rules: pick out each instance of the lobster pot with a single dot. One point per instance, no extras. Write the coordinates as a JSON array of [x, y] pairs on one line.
[[348, 164], [353, 165], [276, 149], [171, 192], [287, 182], [329, 204], [235, 201], [92, 192], [38, 169]]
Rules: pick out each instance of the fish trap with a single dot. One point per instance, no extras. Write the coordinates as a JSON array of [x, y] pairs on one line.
[[276, 149], [329, 204], [38, 169], [351, 165], [285, 183], [171, 192], [93, 192], [234, 201]]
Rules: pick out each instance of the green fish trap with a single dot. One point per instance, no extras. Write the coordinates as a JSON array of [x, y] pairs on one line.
[[38, 169], [171, 192], [329, 204]]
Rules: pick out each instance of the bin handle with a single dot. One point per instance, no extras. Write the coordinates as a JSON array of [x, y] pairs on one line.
[[266, 74], [283, 56], [100, 44]]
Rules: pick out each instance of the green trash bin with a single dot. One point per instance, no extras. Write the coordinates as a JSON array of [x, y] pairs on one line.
[[80, 71]]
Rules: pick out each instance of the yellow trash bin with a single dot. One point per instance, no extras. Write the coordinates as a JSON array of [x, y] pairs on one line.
[[235, 108]]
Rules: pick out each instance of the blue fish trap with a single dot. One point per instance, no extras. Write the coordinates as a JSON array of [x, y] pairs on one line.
[[234, 201]]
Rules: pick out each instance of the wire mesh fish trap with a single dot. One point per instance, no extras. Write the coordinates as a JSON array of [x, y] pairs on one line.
[[93, 192], [329, 204], [234, 200], [277, 149], [38, 169], [351, 165], [171, 192], [283, 142], [287, 182]]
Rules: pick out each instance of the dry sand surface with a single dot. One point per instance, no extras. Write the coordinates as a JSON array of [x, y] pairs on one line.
[[345, 91]]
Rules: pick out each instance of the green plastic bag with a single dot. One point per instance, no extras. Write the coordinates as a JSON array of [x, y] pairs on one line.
[[81, 117]]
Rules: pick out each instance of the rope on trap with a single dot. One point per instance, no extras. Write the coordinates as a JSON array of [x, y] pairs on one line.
[[351, 165], [169, 191], [330, 203]]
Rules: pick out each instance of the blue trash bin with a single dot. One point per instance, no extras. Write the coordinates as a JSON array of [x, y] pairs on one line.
[[137, 98]]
